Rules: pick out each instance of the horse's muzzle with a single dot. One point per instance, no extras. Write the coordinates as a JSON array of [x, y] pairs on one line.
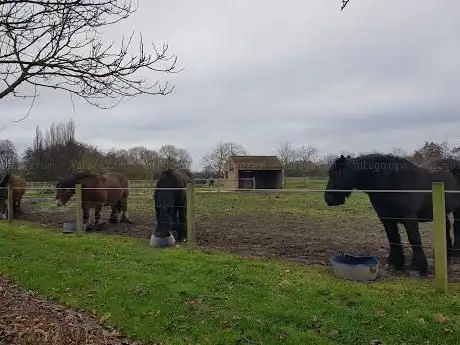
[[333, 200], [60, 203]]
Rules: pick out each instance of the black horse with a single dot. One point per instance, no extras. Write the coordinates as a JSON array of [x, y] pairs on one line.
[[387, 172], [171, 204]]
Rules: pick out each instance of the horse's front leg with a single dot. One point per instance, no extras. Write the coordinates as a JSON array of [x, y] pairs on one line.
[[396, 258], [419, 262]]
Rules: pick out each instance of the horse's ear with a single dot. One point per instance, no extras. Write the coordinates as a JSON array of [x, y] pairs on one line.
[[341, 157]]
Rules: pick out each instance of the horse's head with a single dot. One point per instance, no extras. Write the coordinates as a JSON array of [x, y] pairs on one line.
[[65, 188], [164, 203], [341, 181]]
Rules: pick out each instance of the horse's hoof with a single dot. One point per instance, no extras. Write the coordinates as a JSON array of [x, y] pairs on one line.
[[454, 252]]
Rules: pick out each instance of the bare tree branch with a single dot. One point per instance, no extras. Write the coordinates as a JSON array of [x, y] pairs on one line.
[[59, 45], [216, 159], [344, 4]]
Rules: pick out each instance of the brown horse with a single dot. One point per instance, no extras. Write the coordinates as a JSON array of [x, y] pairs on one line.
[[19, 188], [109, 189]]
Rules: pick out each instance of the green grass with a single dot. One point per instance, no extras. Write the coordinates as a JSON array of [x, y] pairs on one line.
[[185, 297]]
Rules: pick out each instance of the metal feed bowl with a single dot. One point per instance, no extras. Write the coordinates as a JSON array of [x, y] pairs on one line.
[[359, 268], [70, 227], [162, 242]]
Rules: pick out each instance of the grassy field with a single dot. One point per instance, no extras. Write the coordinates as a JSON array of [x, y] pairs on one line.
[[183, 297]]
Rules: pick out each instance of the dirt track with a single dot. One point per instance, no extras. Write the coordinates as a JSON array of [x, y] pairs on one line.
[[289, 237]]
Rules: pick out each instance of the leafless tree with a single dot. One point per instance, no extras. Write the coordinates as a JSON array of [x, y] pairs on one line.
[[397, 151], [174, 158], [287, 154], [305, 155], [8, 156], [215, 160], [59, 44]]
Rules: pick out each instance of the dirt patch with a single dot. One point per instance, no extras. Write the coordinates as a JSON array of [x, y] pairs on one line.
[[287, 236], [32, 320]]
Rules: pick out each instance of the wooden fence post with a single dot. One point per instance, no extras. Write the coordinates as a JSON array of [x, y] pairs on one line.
[[190, 216], [10, 203], [440, 246], [78, 210]]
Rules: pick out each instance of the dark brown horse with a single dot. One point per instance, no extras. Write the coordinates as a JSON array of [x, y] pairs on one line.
[[109, 189], [171, 204], [19, 188], [376, 175]]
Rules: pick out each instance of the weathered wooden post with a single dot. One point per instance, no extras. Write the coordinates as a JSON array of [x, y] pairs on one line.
[[78, 210], [10, 203], [190, 216], [440, 246]]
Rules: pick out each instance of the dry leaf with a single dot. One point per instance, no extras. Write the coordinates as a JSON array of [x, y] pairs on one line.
[[105, 317], [440, 318]]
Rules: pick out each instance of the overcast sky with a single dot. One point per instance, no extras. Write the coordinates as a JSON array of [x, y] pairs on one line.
[[380, 74]]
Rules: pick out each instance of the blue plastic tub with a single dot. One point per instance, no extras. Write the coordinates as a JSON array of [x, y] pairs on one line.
[[359, 268]]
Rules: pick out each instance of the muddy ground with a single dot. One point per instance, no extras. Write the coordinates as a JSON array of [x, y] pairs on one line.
[[288, 237]]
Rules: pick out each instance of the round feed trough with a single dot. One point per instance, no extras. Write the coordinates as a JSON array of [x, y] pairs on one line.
[[162, 242], [359, 268], [70, 227]]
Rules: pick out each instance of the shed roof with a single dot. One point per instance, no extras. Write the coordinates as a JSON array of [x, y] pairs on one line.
[[256, 162]]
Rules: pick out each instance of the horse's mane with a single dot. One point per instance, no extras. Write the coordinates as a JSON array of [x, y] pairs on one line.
[[71, 180], [379, 161]]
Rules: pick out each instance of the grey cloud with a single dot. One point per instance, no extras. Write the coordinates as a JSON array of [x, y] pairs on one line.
[[259, 72]]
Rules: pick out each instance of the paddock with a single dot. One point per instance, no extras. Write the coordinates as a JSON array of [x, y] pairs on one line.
[[289, 225]]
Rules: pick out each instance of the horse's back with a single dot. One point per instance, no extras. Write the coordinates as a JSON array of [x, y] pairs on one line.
[[172, 178], [19, 184], [117, 185]]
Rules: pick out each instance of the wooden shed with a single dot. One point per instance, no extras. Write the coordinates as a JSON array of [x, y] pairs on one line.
[[253, 172]]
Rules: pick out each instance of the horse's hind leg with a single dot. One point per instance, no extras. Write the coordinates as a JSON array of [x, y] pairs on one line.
[[86, 216], [419, 261], [97, 217], [114, 214], [455, 251], [124, 210], [181, 210], [448, 237], [396, 258]]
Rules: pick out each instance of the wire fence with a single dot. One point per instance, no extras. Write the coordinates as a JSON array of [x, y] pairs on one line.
[[294, 223]]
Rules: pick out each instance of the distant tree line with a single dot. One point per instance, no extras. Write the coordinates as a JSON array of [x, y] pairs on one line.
[[57, 152]]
